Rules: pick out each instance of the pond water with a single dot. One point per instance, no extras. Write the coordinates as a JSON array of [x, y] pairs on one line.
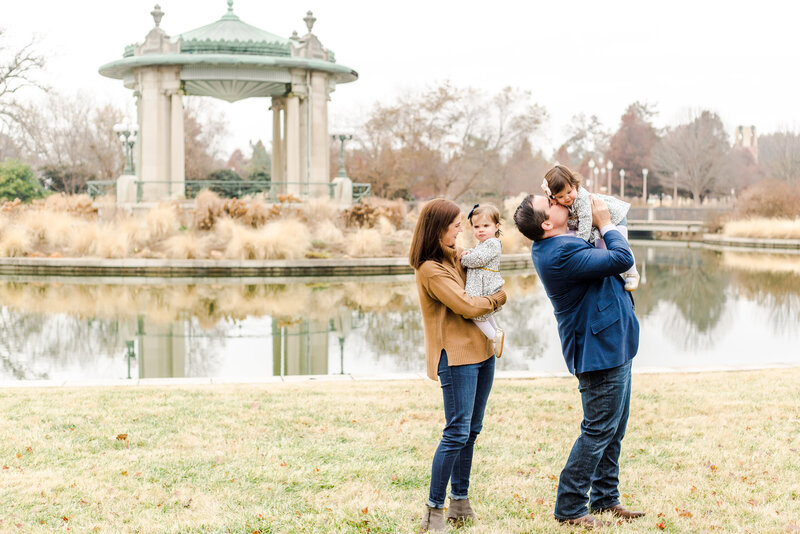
[[698, 308]]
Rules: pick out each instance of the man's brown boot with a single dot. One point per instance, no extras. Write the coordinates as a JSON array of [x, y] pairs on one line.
[[432, 520], [459, 510]]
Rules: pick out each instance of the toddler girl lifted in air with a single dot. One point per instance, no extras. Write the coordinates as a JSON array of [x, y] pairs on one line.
[[563, 186], [483, 267]]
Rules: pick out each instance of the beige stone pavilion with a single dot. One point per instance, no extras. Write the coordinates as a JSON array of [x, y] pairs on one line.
[[231, 60]]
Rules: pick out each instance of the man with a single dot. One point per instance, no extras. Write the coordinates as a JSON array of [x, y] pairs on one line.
[[599, 338]]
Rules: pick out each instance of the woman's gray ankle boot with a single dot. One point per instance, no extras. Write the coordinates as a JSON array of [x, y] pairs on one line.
[[460, 510], [432, 520]]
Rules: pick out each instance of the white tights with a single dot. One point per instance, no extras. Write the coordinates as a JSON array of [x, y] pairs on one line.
[[488, 327]]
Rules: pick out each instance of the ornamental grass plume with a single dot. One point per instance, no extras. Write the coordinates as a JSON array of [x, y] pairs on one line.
[[15, 241], [108, 242], [764, 228], [183, 246], [162, 222], [328, 234], [60, 229], [207, 210], [283, 239], [80, 205], [364, 243], [320, 209]]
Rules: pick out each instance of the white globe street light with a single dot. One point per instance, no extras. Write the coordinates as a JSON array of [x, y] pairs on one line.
[[622, 183], [609, 166]]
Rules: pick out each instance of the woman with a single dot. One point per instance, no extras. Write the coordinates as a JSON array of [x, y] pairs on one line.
[[456, 351]]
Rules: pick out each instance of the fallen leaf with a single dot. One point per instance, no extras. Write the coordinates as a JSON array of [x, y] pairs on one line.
[[661, 525], [365, 510], [124, 473], [122, 437]]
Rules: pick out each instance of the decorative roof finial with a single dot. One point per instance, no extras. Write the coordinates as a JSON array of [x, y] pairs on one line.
[[294, 36], [157, 14], [310, 20], [230, 6]]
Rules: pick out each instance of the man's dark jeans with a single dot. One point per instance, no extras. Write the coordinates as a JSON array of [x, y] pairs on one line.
[[465, 389], [594, 460]]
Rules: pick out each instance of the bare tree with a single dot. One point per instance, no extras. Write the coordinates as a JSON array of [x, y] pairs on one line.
[[779, 155], [205, 129], [444, 141], [17, 70], [695, 153], [72, 141], [586, 139]]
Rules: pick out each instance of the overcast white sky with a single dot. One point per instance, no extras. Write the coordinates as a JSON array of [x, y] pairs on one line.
[[737, 58]]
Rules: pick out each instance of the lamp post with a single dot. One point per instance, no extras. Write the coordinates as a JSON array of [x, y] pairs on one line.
[[610, 166], [622, 183], [126, 132], [342, 138], [591, 174], [644, 186]]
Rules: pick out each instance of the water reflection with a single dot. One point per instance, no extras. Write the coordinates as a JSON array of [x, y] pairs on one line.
[[696, 307]]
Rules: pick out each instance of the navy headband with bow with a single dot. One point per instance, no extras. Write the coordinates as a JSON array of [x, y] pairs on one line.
[[469, 216]]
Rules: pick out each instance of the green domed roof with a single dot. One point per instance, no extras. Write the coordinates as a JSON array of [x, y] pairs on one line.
[[229, 59], [229, 35]]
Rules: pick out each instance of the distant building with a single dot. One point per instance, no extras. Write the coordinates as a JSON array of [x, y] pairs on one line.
[[746, 138]]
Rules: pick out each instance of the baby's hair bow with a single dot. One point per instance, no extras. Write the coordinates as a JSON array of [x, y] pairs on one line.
[[546, 188], [469, 217]]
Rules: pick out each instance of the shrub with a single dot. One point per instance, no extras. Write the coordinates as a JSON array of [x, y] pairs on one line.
[[18, 181], [367, 213], [769, 198]]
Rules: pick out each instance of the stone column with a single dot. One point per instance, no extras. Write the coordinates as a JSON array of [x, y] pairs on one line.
[[156, 86], [293, 144], [177, 149], [277, 141], [320, 141]]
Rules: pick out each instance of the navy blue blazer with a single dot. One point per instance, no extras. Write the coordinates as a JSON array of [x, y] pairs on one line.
[[596, 321]]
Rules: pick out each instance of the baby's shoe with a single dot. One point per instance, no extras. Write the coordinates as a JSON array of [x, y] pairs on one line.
[[631, 280], [497, 342]]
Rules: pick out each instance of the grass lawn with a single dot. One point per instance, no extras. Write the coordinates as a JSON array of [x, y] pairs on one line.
[[704, 452]]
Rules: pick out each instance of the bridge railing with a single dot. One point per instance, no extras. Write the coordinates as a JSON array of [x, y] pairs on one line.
[[675, 214]]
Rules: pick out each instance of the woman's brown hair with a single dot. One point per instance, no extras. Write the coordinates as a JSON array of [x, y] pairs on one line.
[[560, 177], [434, 219]]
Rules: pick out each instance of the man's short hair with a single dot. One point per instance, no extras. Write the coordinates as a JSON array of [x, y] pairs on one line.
[[529, 220]]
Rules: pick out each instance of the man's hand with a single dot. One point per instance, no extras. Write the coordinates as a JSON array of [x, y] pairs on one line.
[[600, 215]]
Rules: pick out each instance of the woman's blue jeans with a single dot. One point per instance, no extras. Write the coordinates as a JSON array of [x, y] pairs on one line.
[[465, 390], [594, 460]]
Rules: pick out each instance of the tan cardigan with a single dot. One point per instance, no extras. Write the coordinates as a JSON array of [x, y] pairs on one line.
[[446, 310]]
